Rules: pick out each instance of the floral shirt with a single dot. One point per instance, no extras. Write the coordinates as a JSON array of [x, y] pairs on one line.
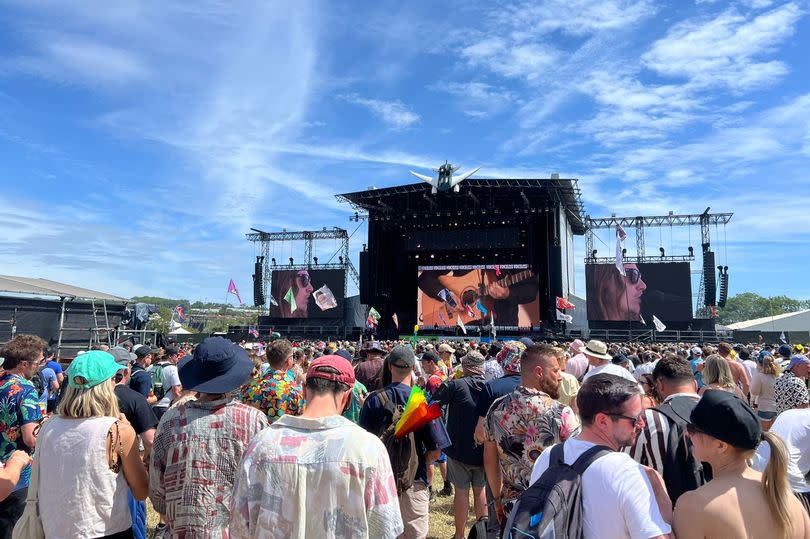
[[326, 478], [197, 449], [359, 393], [276, 393], [492, 369], [522, 424], [19, 405]]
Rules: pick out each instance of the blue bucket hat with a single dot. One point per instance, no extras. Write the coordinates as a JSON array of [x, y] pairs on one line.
[[218, 366]]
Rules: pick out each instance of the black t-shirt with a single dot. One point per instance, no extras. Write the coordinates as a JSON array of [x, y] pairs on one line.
[[375, 419], [134, 406], [493, 390], [461, 397], [140, 380]]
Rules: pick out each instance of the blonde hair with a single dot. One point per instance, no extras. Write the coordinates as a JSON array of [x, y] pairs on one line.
[[98, 401], [775, 483], [769, 366], [716, 371]]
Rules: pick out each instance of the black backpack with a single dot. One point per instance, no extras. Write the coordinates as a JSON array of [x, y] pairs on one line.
[[401, 451], [682, 472], [38, 381], [551, 508]]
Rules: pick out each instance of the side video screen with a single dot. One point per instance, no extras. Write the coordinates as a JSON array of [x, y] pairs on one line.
[[307, 293]]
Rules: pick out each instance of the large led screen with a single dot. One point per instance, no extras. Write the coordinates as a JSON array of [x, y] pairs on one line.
[[478, 296], [305, 293], [663, 290]]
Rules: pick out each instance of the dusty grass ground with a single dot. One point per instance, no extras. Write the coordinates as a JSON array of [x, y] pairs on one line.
[[441, 515]]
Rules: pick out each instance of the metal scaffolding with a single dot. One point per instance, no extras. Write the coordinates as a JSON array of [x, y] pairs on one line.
[[308, 237]]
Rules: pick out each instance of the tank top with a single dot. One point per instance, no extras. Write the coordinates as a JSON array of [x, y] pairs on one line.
[[79, 496]]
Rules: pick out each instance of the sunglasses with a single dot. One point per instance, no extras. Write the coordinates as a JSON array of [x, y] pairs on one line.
[[633, 274], [304, 276], [639, 419]]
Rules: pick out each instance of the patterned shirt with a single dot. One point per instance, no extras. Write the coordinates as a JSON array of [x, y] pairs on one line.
[[789, 391], [324, 478], [522, 424], [359, 393], [19, 405], [276, 393], [492, 369], [197, 449]]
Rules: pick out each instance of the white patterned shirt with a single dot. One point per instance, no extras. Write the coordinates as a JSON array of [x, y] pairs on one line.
[[325, 478]]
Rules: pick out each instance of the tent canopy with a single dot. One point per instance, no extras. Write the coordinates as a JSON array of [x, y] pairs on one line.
[[795, 321], [45, 287]]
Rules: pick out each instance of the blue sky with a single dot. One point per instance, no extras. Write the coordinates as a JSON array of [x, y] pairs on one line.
[[140, 140]]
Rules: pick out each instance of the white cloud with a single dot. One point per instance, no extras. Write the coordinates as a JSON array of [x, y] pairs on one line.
[[512, 60], [394, 113], [575, 17], [71, 59], [478, 99], [724, 50]]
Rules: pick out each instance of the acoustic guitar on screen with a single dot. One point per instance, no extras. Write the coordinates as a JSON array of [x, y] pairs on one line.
[[465, 296]]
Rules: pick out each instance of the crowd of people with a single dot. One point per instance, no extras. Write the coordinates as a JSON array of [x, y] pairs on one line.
[[298, 439]]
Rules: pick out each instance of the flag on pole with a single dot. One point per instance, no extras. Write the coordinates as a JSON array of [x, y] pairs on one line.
[[273, 301], [232, 290], [497, 270], [253, 331], [566, 317], [620, 237], [782, 338], [711, 310], [395, 318], [492, 323], [289, 297], [481, 308], [460, 324], [181, 315], [641, 318], [563, 303], [373, 313], [659, 326], [470, 312]]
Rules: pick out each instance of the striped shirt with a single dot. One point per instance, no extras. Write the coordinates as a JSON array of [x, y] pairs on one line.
[[651, 444]]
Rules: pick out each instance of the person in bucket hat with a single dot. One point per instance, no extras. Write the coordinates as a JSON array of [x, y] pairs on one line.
[[199, 444]]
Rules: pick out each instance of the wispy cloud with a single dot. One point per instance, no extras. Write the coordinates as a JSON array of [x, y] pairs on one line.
[[394, 113], [725, 50]]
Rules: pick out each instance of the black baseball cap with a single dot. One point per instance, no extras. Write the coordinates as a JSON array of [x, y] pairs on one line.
[[402, 357], [724, 416], [430, 355]]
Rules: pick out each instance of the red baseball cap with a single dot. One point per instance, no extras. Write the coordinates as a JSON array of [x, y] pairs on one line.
[[345, 371]]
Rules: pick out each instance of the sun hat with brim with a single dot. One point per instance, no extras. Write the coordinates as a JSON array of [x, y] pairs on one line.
[[596, 349], [218, 366], [91, 368]]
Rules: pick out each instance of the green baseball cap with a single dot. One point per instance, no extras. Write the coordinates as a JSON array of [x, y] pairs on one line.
[[93, 367]]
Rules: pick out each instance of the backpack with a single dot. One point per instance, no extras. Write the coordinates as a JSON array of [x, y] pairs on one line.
[[551, 508], [38, 381], [156, 372], [682, 472], [401, 451]]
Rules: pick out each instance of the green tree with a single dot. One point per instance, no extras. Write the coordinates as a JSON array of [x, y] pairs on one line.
[[748, 305], [160, 321]]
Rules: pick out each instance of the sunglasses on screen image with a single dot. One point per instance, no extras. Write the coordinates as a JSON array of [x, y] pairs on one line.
[[304, 276], [633, 274]]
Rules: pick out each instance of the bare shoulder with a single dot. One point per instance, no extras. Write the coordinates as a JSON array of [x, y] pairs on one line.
[[688, 517]]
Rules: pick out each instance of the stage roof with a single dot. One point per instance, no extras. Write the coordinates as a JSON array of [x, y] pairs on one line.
[[795, 321], [511, 194], [44, 287]]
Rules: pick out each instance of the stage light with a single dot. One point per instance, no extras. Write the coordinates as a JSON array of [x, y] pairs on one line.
[[340, 258], [432, 255], [417, 257], [663, 253], [624, 252], [291, 261], [691, 251], [315, 258], [593, 253], [273, 260]]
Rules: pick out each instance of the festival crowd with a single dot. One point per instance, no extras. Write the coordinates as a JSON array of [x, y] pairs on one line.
[[302, 440]]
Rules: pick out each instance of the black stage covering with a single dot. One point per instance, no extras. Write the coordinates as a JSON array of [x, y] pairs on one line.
[[488, 223]]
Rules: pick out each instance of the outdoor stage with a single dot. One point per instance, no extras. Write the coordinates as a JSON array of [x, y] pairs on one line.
[[495, 254]]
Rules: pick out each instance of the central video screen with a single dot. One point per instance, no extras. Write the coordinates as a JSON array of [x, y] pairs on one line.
[[305, 293], [656, 289], [507, 295]]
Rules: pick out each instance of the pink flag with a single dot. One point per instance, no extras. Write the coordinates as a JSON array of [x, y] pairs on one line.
[[232, 290], [497, 270]]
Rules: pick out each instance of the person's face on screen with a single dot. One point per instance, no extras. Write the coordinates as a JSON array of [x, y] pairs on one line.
[[305, 290], [635, 287]]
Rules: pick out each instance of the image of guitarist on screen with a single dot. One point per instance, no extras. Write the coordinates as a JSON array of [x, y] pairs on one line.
[[451, 293]]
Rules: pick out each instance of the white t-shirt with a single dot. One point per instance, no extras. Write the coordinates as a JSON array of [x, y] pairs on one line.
[[617, 498], [610, 368], [170, 379], [794, 428]]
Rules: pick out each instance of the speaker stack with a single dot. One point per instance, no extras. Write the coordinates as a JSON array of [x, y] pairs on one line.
[[709, 281], [258, 282]]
